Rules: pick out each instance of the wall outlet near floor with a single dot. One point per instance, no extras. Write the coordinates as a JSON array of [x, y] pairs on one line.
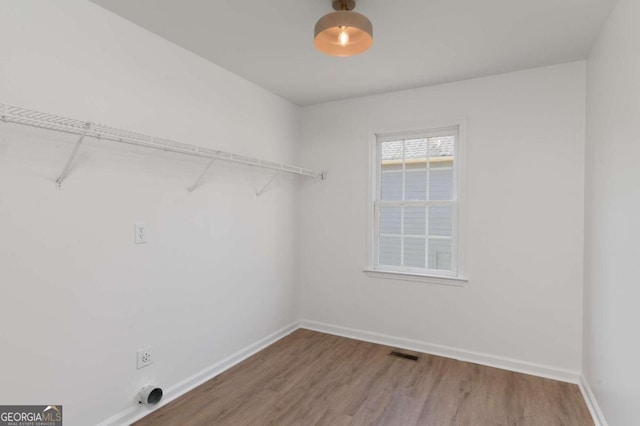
[[140, 233], [144, 357]]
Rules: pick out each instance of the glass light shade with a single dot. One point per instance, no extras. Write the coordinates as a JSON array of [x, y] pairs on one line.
[[329, 37]]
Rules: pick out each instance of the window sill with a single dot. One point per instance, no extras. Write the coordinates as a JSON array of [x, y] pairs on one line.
[[407, 276]]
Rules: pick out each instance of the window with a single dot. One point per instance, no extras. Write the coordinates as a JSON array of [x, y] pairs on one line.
[[416, 204]]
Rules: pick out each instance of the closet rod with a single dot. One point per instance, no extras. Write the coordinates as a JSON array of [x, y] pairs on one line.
[[44, 120]]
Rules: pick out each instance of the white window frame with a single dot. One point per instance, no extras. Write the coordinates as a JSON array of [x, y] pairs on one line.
[[457, 275]]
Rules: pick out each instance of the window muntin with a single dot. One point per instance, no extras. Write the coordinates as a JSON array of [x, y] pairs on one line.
[[416, 203]]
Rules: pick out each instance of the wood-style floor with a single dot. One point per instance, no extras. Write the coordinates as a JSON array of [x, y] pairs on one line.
[[311, 378]]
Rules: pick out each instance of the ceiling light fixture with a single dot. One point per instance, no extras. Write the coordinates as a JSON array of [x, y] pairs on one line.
[[343, 32]]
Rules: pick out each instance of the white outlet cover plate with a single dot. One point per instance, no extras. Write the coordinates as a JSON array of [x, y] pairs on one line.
[[144, 357], [141, 233]]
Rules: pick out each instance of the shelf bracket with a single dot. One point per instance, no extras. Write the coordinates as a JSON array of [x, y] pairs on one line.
[[204, 172], [67, 167], [259, 192]]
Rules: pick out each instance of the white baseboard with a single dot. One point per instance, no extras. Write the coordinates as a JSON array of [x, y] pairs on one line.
[[592, 403], [447, 351], [130, 415]]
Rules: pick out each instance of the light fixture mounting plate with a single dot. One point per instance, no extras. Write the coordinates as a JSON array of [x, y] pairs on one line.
[[344, 4]]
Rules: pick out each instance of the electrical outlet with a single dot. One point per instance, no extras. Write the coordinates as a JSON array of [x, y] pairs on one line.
[[140, 233], [144, 357]]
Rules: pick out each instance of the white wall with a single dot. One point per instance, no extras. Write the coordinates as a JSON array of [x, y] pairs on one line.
[[78, 297], [221, 269], [525, 149], [612, 209]]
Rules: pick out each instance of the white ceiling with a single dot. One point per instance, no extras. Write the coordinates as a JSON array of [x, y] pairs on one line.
[[416, 42]]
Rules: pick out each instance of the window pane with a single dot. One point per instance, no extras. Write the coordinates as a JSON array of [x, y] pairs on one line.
[[440, 254], [441, 220], [415, 150], [441, 184], [440, 162], [419, 164], [392, 167], [390, 151], [391, 189], [414, 249], [442, 146], [415, 185], [389, 251], [415, 220], [390, 220]]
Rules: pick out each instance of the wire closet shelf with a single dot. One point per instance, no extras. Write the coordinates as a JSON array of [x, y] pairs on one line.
[[44, 120]]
